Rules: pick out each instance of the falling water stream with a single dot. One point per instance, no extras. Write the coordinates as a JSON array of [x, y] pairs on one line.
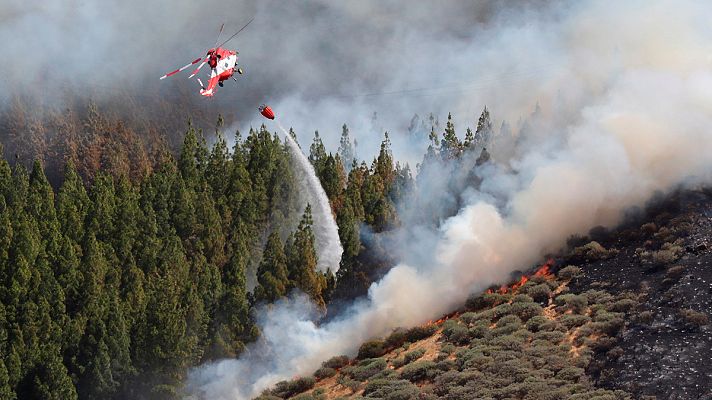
[[326, 231]]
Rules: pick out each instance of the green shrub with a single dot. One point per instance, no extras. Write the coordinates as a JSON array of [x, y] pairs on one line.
[[447, 348], [267, 396], [371, 349], [525, 311], [366, 368], [569, 272], [420, 332], [324, 372], [534, 324], [694, 318], [676, 272], [646, 317], [667, 254], [346, 381], [287, 389], [408, 358], [336, 362], [571, 321], [390, 390], [486, 300], [553, 337], [414, 355], [597, 297], [575, 303], [455, 333], [396, 338], [649, 228], [418, 371], [304, 396], [593, 251], [623, 305], [540, 293], [572, 374], [468, 317], [602, 344], [608, 322]]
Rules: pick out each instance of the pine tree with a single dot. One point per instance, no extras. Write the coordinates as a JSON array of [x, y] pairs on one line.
[[187, 163], [384, 164], [346, 149], [51, 380], [272, 276], [469, 139], [333, 180], [317, 153], [450, 145], [302, 260], [348, 231], [483, 134]]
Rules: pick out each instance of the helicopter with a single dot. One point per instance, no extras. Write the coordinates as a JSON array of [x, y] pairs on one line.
[[222, 62]]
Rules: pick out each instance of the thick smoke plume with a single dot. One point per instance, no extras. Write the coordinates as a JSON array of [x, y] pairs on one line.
[[625, 113], [325, 229]]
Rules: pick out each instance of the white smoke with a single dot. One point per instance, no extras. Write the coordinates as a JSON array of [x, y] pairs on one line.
[[326, 231], [627, 111]]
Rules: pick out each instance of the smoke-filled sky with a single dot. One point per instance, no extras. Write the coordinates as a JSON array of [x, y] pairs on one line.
[[318, 63]]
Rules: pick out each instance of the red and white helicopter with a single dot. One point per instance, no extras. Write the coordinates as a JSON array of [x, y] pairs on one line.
[[222, 62]]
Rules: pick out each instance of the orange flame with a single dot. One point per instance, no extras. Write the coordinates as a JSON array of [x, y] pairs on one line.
[[544, 271]]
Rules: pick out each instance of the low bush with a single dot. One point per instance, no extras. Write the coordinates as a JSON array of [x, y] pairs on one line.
[[419, 370], [694, 318], [569, 272], [346, 381], [486, 300], [455, 332], [649, 228], [553, 337], [390, 390], [593, 251], [366, 368], [324, 372], [597, 297], [408, 358], [572, 374], [608, 322], [525, 311], [420, 332], [371, 349], [571, 321], [540, 293], [667, 254], [468, 317], [336, 362], [623, 305], [675, 272], [413, 355], [287, 389], [534, 324], [575, 303]]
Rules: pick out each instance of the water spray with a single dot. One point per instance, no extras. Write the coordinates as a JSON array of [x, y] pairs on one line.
[[325, 229]]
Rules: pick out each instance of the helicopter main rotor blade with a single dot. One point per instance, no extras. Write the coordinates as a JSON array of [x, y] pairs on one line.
[[180, 69], [219, 33], [199, 67], [230, 38]]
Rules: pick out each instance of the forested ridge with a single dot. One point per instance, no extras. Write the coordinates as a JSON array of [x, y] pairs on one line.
[[116, 280]]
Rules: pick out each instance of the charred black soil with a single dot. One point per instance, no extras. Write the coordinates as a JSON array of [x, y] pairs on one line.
[[665, 348]]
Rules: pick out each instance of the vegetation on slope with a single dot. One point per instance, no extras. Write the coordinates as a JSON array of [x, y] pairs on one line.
[[528, 341]]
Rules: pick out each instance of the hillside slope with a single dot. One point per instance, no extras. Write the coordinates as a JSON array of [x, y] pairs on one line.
[[623, 314]]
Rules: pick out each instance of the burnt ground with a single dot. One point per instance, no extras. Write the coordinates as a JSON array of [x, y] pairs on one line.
[[665, 257]]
